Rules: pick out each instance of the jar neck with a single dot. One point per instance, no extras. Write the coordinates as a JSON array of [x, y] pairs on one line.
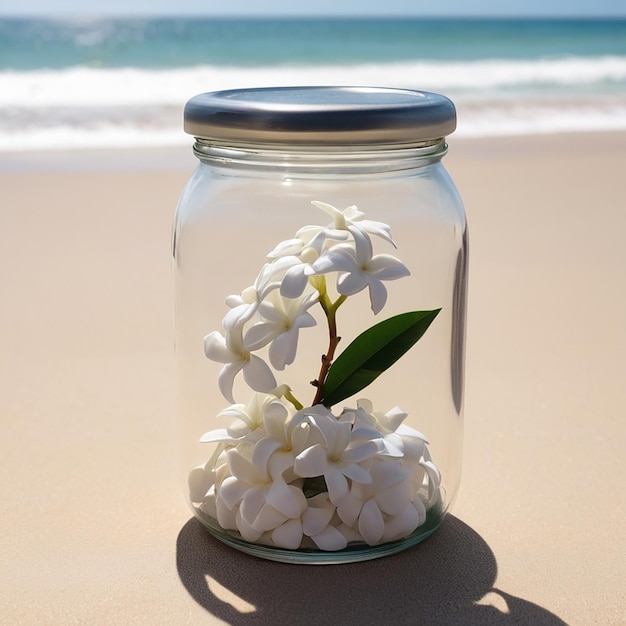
[[344, 159]]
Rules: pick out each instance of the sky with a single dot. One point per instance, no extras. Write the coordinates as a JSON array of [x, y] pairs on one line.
[[504, 8]]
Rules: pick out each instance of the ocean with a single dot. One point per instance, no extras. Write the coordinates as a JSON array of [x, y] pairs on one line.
[[109, 83]]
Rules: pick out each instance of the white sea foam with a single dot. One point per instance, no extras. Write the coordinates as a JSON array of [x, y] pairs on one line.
[[83, 86], [91, 107]]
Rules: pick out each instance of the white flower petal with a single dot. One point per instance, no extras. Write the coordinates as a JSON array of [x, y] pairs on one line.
[[232, 491], [401, 525], [251, 505], [290, 247], [376, 228], [215, 348], [283, 350], [419, 478], [286, 499], [387, 267], [268, 518], [235, 410], [288, 535], [349, 284], [378, 295], [235, 318], [360, 452], [387, 473], [305, 320], [392, 445], [365, 432], [362, 245], [351, 534], [366, 405], [311, 462], [269, 312], [242, 468], [208, 505], [275, 413], [407, 431], [352, 213], [199, 481], [300, 437], [330, 540], [329, 209], [306, 233], [294, 282], [393, 500], [217, 435], [258, 336], [421, 510], [226, 379], [318, 514], [247, 531], [434, 480], [394, 417], [278, 463], [258, 375], [355, 472], [371, 523], [413, 448], [337, 484], [350, 508], [226, 518], [263, 450], [337, 259], [336, 434], [274, 424]]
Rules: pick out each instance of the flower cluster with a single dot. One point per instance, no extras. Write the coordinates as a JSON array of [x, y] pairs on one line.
[[292, 478], [291, 475], [273, 310]]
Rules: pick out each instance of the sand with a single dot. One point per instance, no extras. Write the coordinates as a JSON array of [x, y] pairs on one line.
[[94, 529]]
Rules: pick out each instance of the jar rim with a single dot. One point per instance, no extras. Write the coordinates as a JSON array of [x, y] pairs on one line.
[[320, 116]]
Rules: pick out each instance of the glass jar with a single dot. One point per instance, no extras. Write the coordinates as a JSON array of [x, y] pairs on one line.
[[320, 253]]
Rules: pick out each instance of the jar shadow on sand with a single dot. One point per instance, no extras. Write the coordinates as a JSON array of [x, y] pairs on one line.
[[448, 579]]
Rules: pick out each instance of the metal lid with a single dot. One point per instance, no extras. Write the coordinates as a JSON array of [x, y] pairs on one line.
[[320, 116]]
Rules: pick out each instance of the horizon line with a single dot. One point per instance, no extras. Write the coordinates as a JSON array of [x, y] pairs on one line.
[[289, 16]]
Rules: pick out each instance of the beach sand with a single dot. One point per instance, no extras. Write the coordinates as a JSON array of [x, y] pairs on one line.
[[94, 529]]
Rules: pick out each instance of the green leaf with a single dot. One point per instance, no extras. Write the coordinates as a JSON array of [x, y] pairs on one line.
[[372, 352]]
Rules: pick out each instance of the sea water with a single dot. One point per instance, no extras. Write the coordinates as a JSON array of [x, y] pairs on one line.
[[123, 82]]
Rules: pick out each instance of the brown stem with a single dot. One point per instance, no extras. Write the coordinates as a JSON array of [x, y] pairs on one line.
[[327, 359]]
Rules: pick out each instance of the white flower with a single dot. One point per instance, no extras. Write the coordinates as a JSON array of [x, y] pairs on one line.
[[296, 277], [199, 482], [248, 424], [231, 351], [316, 523], [289, 247], [396, 439], [282, 320], [382, 509], [270, 277], [260, 501], [433, 493], [342, 220], [360, 269], [317, 238], [335, 459], [285, 436]]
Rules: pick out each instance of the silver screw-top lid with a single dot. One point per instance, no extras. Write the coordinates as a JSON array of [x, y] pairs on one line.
[[320, 116]]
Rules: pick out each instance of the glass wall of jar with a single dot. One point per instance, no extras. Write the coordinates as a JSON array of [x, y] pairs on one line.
[[320, 253]]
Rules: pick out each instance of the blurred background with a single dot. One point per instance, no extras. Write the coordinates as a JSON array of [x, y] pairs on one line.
[[117, 74]]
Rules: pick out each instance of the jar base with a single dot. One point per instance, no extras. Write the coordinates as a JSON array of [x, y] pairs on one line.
[[353, 553]]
